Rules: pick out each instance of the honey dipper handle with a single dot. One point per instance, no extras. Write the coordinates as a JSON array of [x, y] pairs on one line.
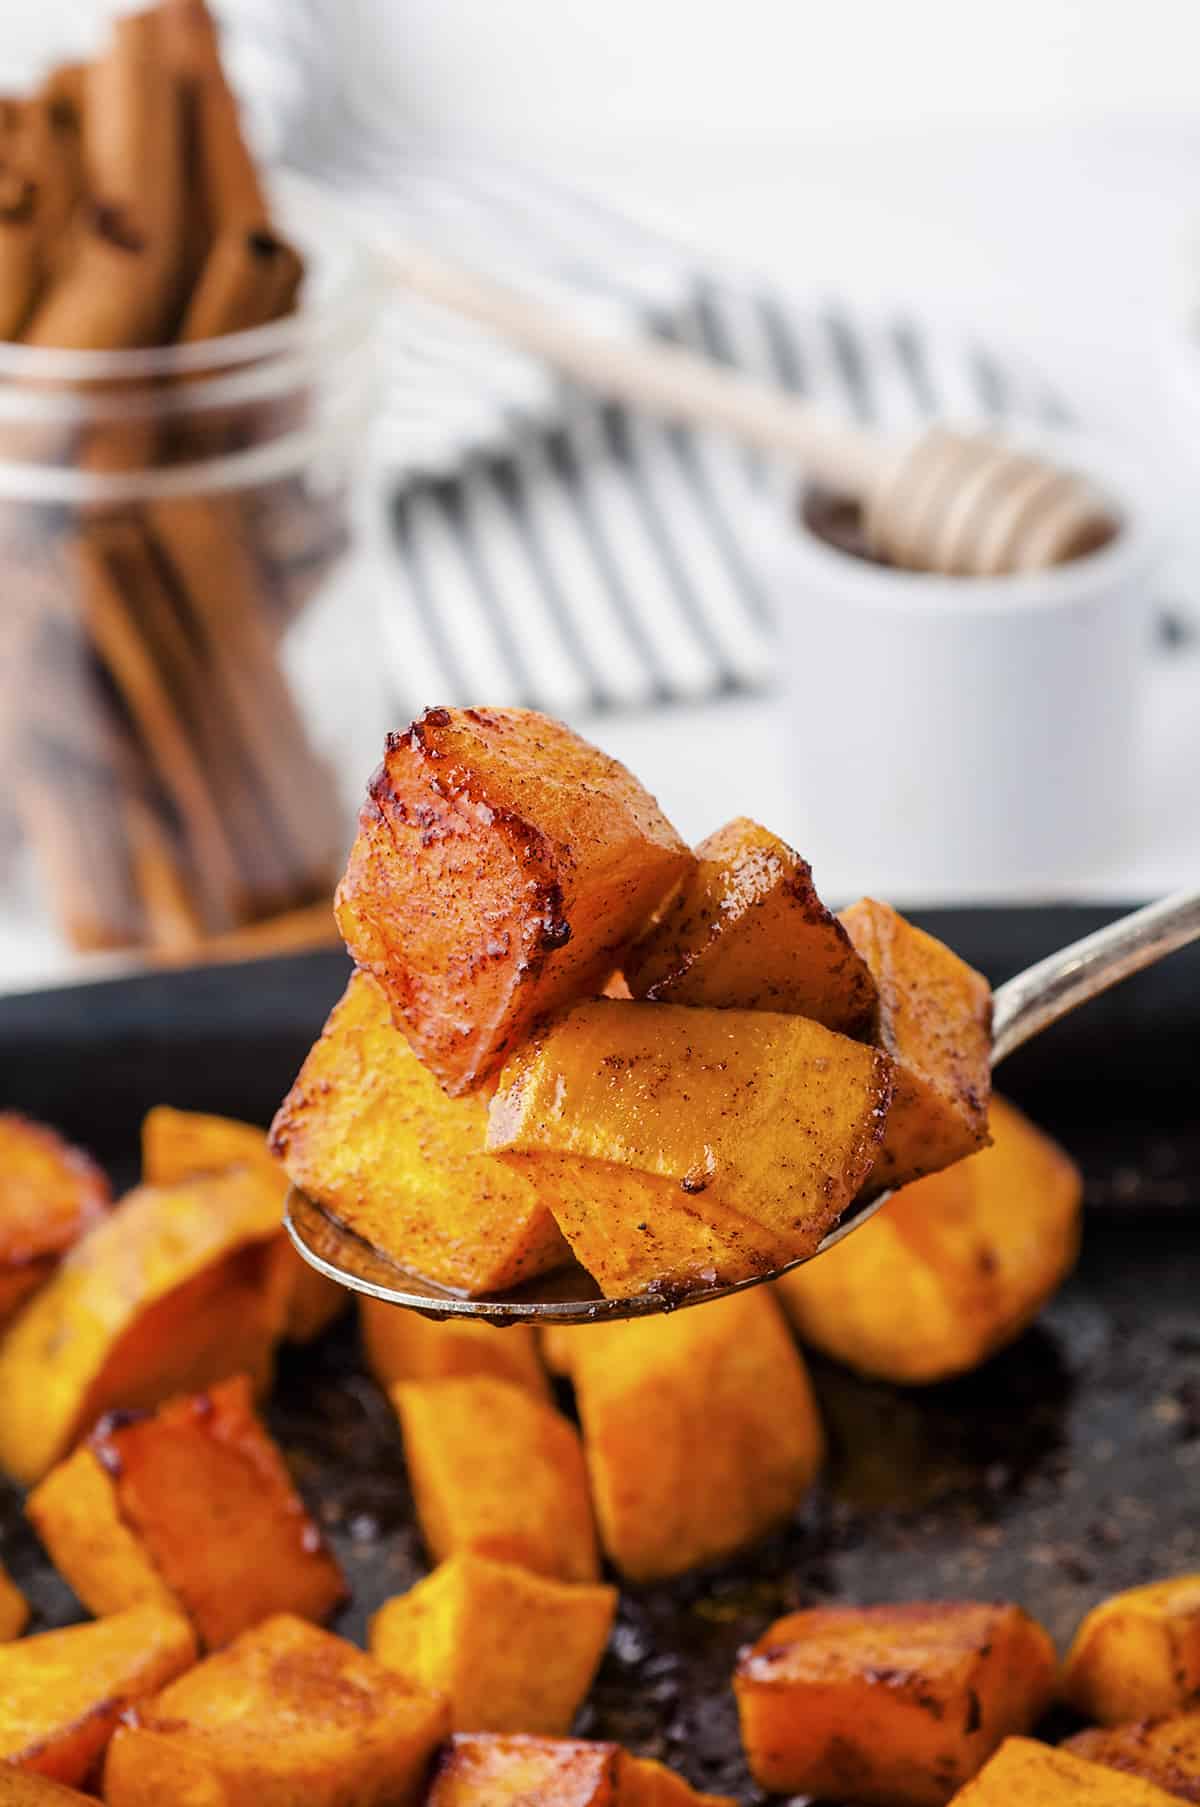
[[663, 379]]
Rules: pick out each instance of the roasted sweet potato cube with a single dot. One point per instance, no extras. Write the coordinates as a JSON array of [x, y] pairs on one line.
[[894, 1705], [14, 1608], [700, 1431], [480, 1769], [502, 868], [1163, 1751], [368, 1133], [1024, 1773], [935, 1020], [285, 1716], [203, 1495], [512, 1651], [63, 1692], [953, 1267], [763, 1127], [20, 1789], [496, 1471], [1137, 1654], [176, 1145], [645, 1783], [76, 1513], [172, 1290], [487, 1770], [402, 1345], [50, 1194], [746, 930]]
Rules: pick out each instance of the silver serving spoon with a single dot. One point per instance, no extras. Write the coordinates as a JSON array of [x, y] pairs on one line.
[[1023, 1007]]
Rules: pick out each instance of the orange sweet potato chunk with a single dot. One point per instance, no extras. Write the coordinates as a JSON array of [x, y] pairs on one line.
[[178, 1144], [20, 1789], [511, 1650], [676, 1146], [1137, 1654], [488, 1770], [496, 1471], [50, 1194], [1024, 1773], [700, 1431], [480, 1769], [747, 930], [953, 1267], [402, 1345], [369, 1134], [202, 1492], [645, 1783], [502, 868], [890, 1706], [63, 1692], [1163, 1751], [14, 1608], [935, 1020], [172, 1290], [285, 1716]]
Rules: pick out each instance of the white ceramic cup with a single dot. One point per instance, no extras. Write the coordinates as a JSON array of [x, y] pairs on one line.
[[960, 739]]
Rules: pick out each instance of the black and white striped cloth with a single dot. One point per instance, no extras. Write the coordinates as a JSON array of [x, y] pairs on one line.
[[575, 556]]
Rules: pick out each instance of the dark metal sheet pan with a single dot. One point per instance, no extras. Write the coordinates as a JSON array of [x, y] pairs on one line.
[[1068, 1467]]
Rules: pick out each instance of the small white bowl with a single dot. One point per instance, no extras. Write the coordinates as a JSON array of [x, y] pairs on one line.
[[969, 739]]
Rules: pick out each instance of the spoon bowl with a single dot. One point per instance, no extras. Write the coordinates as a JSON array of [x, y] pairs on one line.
[[1023, 1007]]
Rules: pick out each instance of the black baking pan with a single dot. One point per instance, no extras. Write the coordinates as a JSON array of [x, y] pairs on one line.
[[1067, 1467]]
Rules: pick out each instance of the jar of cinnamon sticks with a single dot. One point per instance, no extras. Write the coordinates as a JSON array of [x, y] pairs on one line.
[[184, 390]]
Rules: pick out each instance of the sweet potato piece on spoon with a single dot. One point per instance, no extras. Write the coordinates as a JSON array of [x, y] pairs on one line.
[[480, 1769], [747, 930], [935, 1020], [502, 868], [758, 1128]]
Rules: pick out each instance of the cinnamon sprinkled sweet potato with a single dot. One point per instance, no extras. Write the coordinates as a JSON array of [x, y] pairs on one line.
[[368, 1133], [1024, 1773], [889, 1705], [1137, 1654], [179, 1144], [700, 1430], [484, 1770], [402, 1345], [1163, 1751], [285, 1716], [172, 1290], [63, 1692], [747, 930], [202, 1493], [496, 1471], [512, 1651], [20, 1789], [502, 868], [50, 1194], [954, 1266], [934, 1019], [676, 1146]]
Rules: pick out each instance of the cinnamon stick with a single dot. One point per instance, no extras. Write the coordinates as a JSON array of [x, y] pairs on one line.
[[19, 263], [121, 285], [231, 196], [251, 277], [201, 540]]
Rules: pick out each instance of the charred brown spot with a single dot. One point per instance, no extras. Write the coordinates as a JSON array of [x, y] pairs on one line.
[[113, 224]]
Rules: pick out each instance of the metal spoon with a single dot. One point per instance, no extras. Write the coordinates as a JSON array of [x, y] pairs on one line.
[[1023, 1007]]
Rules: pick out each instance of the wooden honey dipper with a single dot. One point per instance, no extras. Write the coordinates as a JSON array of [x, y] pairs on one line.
[[961, 504]]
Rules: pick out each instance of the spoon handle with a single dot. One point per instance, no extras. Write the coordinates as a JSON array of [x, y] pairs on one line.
[[1038, 997]]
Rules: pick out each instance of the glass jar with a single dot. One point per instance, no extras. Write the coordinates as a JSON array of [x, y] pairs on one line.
[[180, 611]]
